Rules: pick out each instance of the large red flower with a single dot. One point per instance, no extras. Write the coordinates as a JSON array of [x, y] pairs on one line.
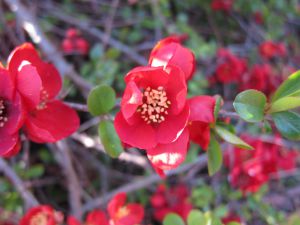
[[201, 116], [154, 114], [96, 217], [173, 200], [169, 51], [42, 215], [48, 119], [124, 214]]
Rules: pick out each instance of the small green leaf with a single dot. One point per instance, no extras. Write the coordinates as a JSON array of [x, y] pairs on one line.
[[173, 219], [232, 138], [284, 104], [288, 124], [101, 100], [217, 107], [196, 217], [110, 139], [250, 105], [233, 223], [290, 87], [215, 156], [96, 52]]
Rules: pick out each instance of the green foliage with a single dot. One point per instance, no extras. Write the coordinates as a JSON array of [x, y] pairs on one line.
[[250, 105], [173, 219], [217, 107], [215, 157], [285, 103], [101, 100], [196, 217], [231, 138], [202, 196], [288, 124], [110, 139]]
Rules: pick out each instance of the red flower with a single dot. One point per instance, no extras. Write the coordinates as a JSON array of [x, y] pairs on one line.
[[258, 17], [270, 49], [42, 215], [169, 51], [124, 214], [154, 114], [230, 68], [262, 78], [222, 5], [96, 217], [74, 43], [173, 200], [48, 119], [231, 218], [201, 116]]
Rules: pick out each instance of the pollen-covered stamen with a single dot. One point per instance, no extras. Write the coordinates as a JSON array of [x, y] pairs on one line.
[[44, 99], [155, 105], [3, 113], [39, 219]]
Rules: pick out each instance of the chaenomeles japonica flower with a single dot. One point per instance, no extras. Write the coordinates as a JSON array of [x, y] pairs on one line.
[[47, 118], [95, 217]]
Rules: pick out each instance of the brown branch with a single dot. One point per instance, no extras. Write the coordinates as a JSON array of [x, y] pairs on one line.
[[26, 195]]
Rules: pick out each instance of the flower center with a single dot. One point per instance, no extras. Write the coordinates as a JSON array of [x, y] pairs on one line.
[[3, 113], [155, 105], [44, 99], [39, 219], [122, 212]]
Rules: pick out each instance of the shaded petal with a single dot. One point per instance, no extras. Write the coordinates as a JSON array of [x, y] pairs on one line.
[[132, 98], [146, 76], [139, 135], [169, 156], [200, 133], [55, 122], [29, 85], [7, 88], [16, 115], [202, 108], [72, 221], [170, 129], [9, 144], [97, 217]]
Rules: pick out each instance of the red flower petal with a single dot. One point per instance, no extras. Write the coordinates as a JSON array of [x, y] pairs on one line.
[[132, 98], [139, 135], [169, 156], [97, 217], [146, 76], [45, 209], [7, 88], [135, 215], [72, 221], [29, 85], [55, 122], [9, 144], [170, 129], [117, 202], [174, 54], [202, 108], [200, 133]]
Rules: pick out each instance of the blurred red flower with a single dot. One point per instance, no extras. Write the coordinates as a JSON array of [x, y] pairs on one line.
[[96, 217], [48, 119], [173, 200], [222, 5], [154, 114], [258, 17], [42, 215], [270, 49], [124, 214], [169, 51], [230, 68], [74, 43], [231, 218]]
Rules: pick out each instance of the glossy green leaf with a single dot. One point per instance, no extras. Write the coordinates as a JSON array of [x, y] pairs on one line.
[[217, 107], [196, 217], [250, 105], [288, 124], [101, 100], [110, 139], [232, 138], [290, 87], [214, 155], [173, 219], [285, 103]]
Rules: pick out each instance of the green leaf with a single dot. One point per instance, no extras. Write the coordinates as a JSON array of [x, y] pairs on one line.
[[233, 223], [196, 217], [232, 138], [284, 104], [217, 107], [290, 87], [215, 156], [250, 105], [96, 52], [288, 124], [101, 100], [173, 219], [110, 139]]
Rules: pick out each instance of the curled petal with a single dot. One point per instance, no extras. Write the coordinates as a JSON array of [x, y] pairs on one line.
[[202, 108], [200, 133]]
